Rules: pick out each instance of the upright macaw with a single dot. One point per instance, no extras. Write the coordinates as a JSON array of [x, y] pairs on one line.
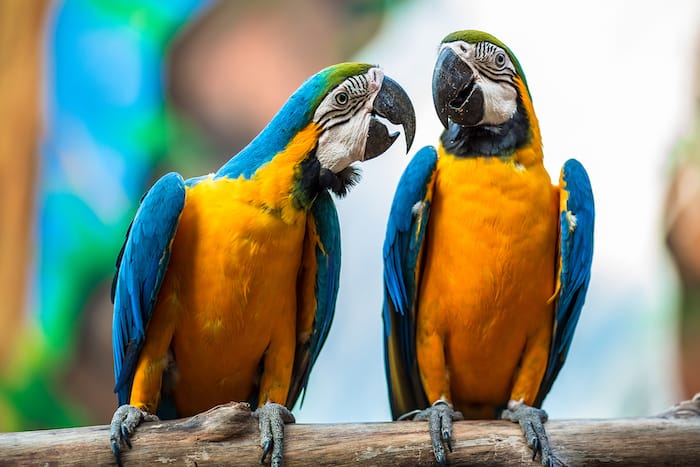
[[486, 263], [226, 285]]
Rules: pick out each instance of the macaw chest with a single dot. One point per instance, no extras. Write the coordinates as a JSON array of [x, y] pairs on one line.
[[232, 277], [488, 271], [232, 253]]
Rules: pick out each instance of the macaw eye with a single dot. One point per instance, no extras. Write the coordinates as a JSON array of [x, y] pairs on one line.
[[341, 98], [500, 59]]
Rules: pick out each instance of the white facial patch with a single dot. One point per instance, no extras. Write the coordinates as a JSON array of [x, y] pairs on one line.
[[500, 102], [493, 73], [344, 116]]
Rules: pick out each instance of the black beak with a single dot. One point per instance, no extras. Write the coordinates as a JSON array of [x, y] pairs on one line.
[[392, 103], [456, 96]]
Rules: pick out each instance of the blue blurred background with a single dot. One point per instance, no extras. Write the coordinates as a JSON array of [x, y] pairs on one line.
[[100, 98]]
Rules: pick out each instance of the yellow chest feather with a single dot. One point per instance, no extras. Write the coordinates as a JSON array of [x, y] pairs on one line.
[[493, 225], [231, 282], [488, 271]]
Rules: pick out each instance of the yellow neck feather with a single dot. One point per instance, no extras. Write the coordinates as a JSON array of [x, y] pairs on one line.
[[278, 177], [532, 153], [271, 188]]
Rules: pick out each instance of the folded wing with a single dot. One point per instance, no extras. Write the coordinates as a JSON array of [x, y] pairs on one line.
[[406, 229], [141, 267], [576, 223]]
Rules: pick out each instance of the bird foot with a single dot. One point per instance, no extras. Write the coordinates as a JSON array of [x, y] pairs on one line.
[[685, 409], [531, 421], [440, 416], [124, 423], [271, 419]]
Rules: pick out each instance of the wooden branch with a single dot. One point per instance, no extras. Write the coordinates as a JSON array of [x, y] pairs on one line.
[[228, 435]]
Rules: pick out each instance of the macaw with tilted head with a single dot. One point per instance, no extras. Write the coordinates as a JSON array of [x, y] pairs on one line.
[[486, 262], [226, 284]]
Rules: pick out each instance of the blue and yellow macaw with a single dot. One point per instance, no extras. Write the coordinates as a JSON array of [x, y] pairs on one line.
[[486, 263], [226, 284]]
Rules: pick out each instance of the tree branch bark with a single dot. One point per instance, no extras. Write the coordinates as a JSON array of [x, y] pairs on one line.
[[227, 434]]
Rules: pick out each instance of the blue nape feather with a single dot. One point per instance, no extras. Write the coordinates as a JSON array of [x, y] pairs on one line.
[[296, 113]]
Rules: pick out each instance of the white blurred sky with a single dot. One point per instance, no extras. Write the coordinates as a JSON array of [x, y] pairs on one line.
[[612, 86]]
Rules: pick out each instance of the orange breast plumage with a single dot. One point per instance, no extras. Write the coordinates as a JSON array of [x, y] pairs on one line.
[[491, 242]]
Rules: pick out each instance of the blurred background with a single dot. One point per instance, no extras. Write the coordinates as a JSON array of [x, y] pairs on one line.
[[99, 98]]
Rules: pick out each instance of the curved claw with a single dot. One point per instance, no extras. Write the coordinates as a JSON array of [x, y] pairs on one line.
[[448, 440], [124, 422], [534, 443], [271, 420], [266, 450], [440, 417], [531, 421], [126, 436], [116, 454]]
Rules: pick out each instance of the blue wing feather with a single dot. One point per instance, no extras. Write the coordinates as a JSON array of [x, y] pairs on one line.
[[328, 262], [575, 259], [406, 227], [325, 217], [141, 266]]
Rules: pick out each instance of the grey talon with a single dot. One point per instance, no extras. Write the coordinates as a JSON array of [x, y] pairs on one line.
[[124, 422], [531, 421], [440, 417], [271, 420]]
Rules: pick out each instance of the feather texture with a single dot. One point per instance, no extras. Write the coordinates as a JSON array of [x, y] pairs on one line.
[[218, 271]]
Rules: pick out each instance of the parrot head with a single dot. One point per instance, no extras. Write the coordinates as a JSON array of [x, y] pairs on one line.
[[480, 94], [348, 109], [352, 114], [359, 97]]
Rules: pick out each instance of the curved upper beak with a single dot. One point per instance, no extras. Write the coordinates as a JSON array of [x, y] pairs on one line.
[[392, 103], [456, 96]]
